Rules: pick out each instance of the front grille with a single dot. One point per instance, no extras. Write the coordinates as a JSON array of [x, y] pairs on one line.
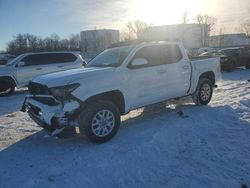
[[37, 89], [46, 100], [33, 109]]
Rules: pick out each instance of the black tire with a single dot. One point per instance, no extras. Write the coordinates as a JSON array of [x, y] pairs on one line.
[[89, 115], [7, 87], [230, 67], [203, 93]]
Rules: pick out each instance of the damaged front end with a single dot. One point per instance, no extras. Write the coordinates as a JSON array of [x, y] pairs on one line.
[[54, 109]]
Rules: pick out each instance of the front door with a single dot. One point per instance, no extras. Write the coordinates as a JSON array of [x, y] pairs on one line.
[[147, 83]]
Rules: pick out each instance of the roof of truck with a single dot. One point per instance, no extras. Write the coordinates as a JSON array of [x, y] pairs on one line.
[[135, 42], [232, 48]]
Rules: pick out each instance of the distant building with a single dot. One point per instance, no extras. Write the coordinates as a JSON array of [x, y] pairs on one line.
[[193, 36], [229, 40], [93, 42]]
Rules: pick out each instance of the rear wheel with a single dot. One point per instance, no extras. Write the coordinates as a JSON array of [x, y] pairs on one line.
[[7, 86], [203, 93], [100, 121]]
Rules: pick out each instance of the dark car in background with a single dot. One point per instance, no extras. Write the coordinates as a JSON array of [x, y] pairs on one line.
[[5, 58], [231, 58]]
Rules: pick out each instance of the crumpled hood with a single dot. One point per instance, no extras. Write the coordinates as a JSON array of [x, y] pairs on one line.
[[66, 77]]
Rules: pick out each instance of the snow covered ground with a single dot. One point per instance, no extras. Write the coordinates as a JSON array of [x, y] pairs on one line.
[[176, 144]]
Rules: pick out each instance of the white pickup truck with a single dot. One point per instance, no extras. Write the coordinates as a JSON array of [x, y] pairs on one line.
[[19, 71], [123, 77]]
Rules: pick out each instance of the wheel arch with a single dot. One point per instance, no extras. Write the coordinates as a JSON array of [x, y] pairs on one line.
[[209, 75], [9, 78], [114, 96]]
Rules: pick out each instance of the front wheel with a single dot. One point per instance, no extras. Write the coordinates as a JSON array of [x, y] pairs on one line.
[[100, 121], [6, 87], [203, 93]]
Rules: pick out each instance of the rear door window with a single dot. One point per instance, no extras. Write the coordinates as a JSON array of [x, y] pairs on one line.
[[32, 60], [51, 58], [61, 58], [170, 54]]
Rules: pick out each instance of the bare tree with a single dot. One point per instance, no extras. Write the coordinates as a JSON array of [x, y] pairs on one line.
[[55, 39], [64, 44], [245, 25], [207, 24], [12, 48], [126, 35], [184, 18], [30, 43], [135, 28], [84, 42], [21, 43], [74, 42]]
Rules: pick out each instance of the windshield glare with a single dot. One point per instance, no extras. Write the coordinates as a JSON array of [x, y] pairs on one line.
[[112, 57]]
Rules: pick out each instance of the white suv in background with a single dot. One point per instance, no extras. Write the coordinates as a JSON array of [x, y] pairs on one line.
[[23, 68]]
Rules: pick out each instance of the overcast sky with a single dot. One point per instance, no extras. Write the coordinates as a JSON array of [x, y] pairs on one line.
[[64, 17]]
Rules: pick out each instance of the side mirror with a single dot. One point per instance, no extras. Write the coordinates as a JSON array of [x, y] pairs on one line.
[[139, 62], [21, 64]]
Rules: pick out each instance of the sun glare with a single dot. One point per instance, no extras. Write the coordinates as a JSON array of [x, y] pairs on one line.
[[160, 12]]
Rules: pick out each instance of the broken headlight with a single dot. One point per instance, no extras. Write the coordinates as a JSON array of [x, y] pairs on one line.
[[63, 93]]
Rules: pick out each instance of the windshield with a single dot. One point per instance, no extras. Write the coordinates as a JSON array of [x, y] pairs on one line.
[[212, 53], [112, 57], [14, 60], [227, 52]]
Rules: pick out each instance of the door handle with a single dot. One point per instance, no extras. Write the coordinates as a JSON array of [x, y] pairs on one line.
[[161, 71], [38, 68], [185, 67], [60, 66]]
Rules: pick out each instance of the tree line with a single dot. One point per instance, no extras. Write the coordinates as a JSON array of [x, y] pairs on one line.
[[23, 43]]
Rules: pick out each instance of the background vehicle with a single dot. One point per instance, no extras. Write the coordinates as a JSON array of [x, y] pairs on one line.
[[3, 61], [205, 49], [5, 58], [124, 77], [19, 71], [234, 57], [209, 54]]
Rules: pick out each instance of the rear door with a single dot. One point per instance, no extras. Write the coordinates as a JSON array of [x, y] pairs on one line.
[[178, 70]]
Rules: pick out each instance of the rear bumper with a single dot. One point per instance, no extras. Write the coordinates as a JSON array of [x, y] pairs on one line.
[[52, 116]]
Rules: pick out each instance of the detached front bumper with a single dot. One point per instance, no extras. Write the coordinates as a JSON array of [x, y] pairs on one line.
[[51, 114]]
